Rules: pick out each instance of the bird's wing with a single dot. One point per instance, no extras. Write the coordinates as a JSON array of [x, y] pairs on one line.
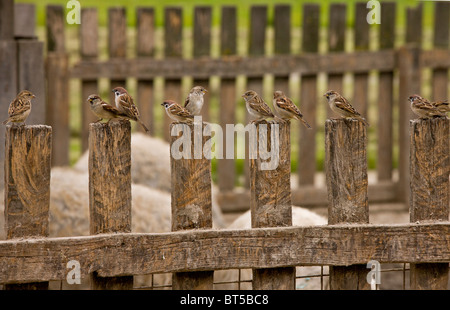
[[186, 102], [424, 104], [260, 106], [18, 106], [177, 109], [442, 105], [130, 109], [286, 104], [110, 108], [343, 104]]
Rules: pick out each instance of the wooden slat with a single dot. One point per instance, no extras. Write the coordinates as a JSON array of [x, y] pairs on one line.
[[110, 187], [270, 195], [256, 47], [347, 185], [226, 167], [24, 21], [88, 51], [117, 42], [386, 95], [55, 28], [46, 259], [7, 20], [173, 39], [308, 98], [202, 48], [191, 196], [336, 42], [430, 195], [27, 185], [145, 48], [441, 40], [282, 41]]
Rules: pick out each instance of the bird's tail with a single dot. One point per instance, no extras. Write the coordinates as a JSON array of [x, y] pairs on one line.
[[305, 123], [143, 125], [362, 119], [5, 122]]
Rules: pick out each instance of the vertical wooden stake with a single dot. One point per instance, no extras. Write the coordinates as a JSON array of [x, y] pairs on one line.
[[110, 188], [430, 190], [191, 194], [347, 184], [270, 201], [27, 185]]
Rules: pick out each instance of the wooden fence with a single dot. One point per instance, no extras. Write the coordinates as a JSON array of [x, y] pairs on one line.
[[399, 68], [112, 254]]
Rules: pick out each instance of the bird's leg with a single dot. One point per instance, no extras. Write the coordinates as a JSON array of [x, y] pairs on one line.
[[98, 120]]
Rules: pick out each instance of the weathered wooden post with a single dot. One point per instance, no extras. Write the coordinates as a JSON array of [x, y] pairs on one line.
[[27, 186], [110, 188], [270, 190], [347, 185], [191, 194], [430, 190]]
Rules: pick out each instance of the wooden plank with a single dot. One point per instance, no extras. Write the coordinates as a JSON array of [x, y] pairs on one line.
[[46, 259], [347, 185], [414, 25], [256, 47], [117, 41], [8, 63], [386, 96], [110, 187], [27, 186], [31, 76], [191, 195], [55, 28], [441, 40], [57, 67], [409, 83], [270, 194], [145, 48], [202, 48], [282, 41], [228, 39], [308, 98], [24, 21], [430, 195], [173, 39], [6, 19], [254, 67], [336, 42], [88, 51]]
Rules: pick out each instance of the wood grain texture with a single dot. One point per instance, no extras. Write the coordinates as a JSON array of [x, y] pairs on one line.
[[441, 40], [117, 42], [430, 190], [270, 201], [347, 185], [191, 195], [110, 188], [121, 254], [55, 28]]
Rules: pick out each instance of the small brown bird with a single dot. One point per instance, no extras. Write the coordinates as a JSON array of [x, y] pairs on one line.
[[256, 106], [341, 106], [286, 109], [20, 108], [125, 104], [177, 112], [194, 100], [104, 110], [424, 108]]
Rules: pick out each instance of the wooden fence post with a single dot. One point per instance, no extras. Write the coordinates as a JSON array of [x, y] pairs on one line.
[[191, 194], [347, 185], [110, 188], [270, 200], [27, 186], [430, 190]]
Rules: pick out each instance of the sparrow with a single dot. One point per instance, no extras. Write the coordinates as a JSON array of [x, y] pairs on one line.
[[286, 109], [194, 100], [104, 110], [125, 104], [341, 106], [424, 108], [177, 112], [256, 106], [20, 108]]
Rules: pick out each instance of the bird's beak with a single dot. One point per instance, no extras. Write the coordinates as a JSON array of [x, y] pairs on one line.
[[33, 96], [162, 104], [205, 91]]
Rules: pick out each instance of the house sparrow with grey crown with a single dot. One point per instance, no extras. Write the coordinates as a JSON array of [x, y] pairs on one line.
[[125, 104], [104, 110], [256, 106], [286, 109], [20, 108], [424, 108], [342, 107], [194, 100], [177, 112]]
